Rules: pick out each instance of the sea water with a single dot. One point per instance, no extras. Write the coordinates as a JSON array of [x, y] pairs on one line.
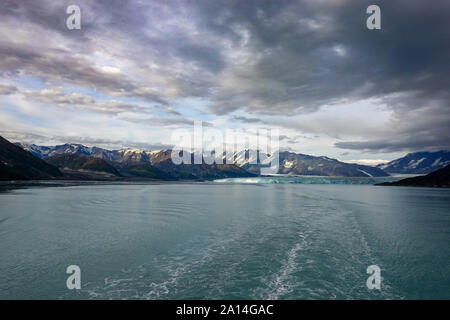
[[224, 240]]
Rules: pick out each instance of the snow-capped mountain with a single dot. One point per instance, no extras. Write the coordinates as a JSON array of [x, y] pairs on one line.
[[289, 162], [418, 163], [133, 162], [302, 164], [122, 155], [44, 152]]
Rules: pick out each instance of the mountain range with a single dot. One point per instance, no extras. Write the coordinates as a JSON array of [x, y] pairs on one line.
[[290, 163], [77, 161], [82, 162]]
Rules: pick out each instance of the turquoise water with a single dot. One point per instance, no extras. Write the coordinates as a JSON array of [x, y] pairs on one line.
[[294, 179], [224, 241]]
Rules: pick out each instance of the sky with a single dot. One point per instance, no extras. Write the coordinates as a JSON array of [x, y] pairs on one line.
[[138, 70]]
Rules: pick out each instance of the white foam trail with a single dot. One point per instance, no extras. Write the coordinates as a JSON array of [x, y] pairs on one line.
[[280, 283]]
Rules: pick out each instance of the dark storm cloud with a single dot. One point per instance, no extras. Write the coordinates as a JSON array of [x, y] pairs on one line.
[[310, 53], [205, 57], [405, 143], [272, 58]]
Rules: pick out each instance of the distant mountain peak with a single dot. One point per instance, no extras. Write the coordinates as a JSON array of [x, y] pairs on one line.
[[422, 162]]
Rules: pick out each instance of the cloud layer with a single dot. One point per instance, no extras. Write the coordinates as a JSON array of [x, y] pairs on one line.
[[273, 63]]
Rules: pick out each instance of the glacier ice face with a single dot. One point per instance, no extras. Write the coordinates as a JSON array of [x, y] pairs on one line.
[[288, 179]]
